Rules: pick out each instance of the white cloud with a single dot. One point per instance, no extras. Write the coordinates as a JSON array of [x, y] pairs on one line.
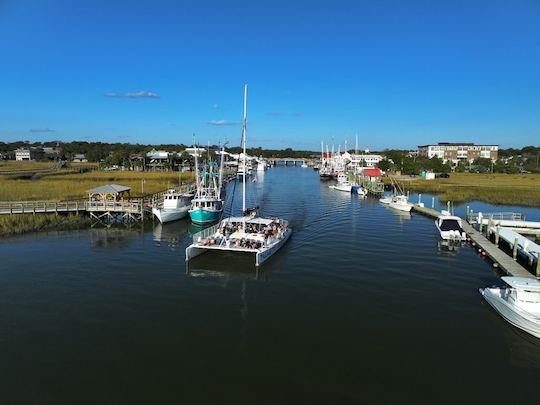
[[223, 122], [42, 130], [135, 94]]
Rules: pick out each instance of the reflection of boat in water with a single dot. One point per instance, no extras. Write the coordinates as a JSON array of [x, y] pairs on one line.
[[447, 247], [401, 215], [111, 238], [519, 303], [170, 234]]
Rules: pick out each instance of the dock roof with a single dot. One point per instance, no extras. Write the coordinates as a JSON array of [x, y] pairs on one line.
[[109, 189]]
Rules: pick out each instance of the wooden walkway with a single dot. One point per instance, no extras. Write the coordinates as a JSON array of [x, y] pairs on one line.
[[39, 207], [504, 261]]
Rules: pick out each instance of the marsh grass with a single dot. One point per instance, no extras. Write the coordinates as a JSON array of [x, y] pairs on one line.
[[61, 186], [23, 223], [9, 165], [498, 188]]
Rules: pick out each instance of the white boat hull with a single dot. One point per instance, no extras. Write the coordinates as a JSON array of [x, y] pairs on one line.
[[385, 200], [340, 187], [526, 321], [171, 214], [401, 207], [264, 254]]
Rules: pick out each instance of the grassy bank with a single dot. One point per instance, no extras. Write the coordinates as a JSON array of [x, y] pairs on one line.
[[498, 188], [24, 223], [61, 186]]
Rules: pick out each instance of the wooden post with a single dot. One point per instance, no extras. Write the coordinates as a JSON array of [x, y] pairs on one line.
[[488, 229], [481, 224], [419, 198], [538, 266], [497, 235], [515, 248]]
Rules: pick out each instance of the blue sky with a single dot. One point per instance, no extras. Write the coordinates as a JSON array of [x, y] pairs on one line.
[[400, 73]]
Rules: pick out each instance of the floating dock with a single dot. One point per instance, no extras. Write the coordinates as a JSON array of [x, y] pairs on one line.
[[503, 260]]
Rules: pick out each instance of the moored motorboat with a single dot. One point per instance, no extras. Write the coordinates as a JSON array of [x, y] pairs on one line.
[[385, 200], [450, 227], [401, 203], [519, 303]]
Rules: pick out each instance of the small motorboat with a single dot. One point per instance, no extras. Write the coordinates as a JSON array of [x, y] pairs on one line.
[[361, 191], [385, 200], [401, 203], [450, 227], [519, 303]]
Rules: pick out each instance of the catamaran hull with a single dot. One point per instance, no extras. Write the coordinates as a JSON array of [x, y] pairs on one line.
[[169, 215], [261, 257], [520, 319], [201, 216]]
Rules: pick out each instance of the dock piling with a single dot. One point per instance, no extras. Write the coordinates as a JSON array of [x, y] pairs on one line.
[[497, 235], [515, 248], [538, 266], [433, 202]]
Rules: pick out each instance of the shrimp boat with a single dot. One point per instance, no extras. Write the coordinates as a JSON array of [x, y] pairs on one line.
[[207, 206], [248, 234], [519, 303], [175, 206]]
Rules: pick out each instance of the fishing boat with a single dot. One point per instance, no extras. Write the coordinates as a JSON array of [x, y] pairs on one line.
[[175, 206], [248, 233], [519, 303], [207, 206], [385, 200], [304, 166], [261, 166], [450, 227], [343, 184], [400, 202]]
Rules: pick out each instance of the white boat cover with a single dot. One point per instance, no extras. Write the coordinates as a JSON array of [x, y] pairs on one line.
[[522, 283]]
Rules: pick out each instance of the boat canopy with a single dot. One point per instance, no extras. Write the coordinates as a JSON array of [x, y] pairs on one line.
[[249, 220], [450, 224], [523, 283]]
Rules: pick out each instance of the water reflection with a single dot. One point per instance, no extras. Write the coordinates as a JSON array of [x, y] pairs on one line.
[[171, 234], [111, 238], [401, 216], [448, 247]]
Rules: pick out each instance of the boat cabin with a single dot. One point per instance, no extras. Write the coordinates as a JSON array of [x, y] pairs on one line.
[[525, 292]]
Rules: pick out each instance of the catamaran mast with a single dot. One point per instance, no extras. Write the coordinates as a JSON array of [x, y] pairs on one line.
[[221, 169], [244, 150]]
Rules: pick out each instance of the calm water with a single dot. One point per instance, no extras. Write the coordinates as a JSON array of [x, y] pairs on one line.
[[362, 305]]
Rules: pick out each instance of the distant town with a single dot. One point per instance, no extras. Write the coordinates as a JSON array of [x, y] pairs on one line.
[[441, 157]]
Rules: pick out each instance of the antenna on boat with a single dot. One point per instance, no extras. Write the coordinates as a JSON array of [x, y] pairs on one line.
[[244, 150], [197, 180]]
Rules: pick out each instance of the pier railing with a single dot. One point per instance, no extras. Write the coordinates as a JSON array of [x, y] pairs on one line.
[[37, 207], [205, 233], [496, 216]]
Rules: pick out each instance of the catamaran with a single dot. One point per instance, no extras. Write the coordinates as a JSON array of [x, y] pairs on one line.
[[207, 206], [243, 234]]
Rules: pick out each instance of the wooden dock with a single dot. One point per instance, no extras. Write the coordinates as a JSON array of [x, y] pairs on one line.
[[504, 261]]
